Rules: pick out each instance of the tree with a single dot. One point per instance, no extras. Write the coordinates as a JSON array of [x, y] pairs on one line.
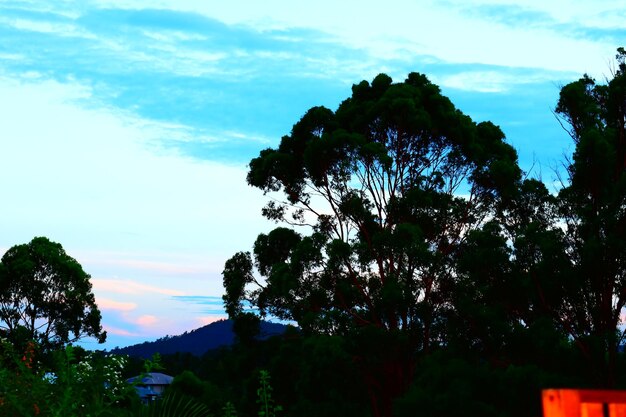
[[46, 296], [386, 189], [566, 252], [511, 276], [592, 206]]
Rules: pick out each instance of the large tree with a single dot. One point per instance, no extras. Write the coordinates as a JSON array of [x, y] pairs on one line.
[[45, 295], [386, 189], [593, 208], [562, 256]]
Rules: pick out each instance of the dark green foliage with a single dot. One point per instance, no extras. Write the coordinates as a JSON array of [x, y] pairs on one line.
[[593, 290], [247, 327], [376, 186], [46, 296], [237, 273], [229, 410], [188, 383], [486, 295], [317, 377], [73, 383], [310, 376], [265, 400], [175, 405], [209, 394], [376, 180], [451, 386], [427, 277], [563, 277]]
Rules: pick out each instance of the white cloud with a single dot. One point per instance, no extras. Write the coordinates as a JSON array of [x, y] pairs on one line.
[[170, 57], [92, 171], [11, 56], [440, 29], [488, 81], [59, 29], [130, 287], [170, 36], [596, 13]]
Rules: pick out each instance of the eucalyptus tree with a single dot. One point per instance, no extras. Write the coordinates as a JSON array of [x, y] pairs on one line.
[[45, 296], [374, 202], [560, 257], [593, 211]]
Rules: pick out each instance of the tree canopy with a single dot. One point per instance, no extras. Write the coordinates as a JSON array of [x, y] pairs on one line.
[[387, 188], [45, 295], [560, 257], [593, 208]]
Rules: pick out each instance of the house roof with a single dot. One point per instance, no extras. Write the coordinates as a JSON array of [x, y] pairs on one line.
[[146, 392], [153, 378]]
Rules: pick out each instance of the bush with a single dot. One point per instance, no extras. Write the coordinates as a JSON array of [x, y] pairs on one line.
[[75, 383]]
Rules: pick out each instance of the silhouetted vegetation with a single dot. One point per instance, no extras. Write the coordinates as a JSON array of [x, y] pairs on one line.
[[430, 275], [416, 239], [45, 296]]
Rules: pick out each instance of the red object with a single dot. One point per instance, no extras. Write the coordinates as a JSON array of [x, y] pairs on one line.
[[583, 403]]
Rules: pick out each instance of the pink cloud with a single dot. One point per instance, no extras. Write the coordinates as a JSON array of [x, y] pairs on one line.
[[106, 304], [146, 320], [151, 326], [117, 331], [204, 320], [130, 287]]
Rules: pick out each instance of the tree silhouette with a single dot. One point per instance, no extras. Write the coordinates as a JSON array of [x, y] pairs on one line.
[[593, 208], [386, 189], [46, 296]]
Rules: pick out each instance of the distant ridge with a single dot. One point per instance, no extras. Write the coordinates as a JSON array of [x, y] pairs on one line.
[[196, 342]]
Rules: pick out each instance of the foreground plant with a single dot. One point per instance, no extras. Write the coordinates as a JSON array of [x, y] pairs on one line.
[[173, 405], [77, 383], [264, 397]]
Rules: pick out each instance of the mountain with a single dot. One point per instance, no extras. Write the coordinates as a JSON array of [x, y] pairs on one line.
[[198, 341]]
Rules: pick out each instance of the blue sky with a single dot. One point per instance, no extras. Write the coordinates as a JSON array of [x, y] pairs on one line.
[[126, 126]]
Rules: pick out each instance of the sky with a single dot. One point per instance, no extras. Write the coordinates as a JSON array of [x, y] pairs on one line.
[[126, 126]]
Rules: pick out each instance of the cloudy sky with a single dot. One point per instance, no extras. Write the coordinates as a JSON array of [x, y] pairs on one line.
[[126, 125]]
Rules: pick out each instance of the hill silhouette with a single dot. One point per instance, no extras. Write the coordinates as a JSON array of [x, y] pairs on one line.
[[198, 341]]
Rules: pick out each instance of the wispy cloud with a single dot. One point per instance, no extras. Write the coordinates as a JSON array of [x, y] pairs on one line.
[[130, 287], [493, 80], [118, 331], [595, 24], [161, 267], [211, 305], [199, 299], [513, 15], [189, 67], [176, 67], [147, 320], [106, 304]]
